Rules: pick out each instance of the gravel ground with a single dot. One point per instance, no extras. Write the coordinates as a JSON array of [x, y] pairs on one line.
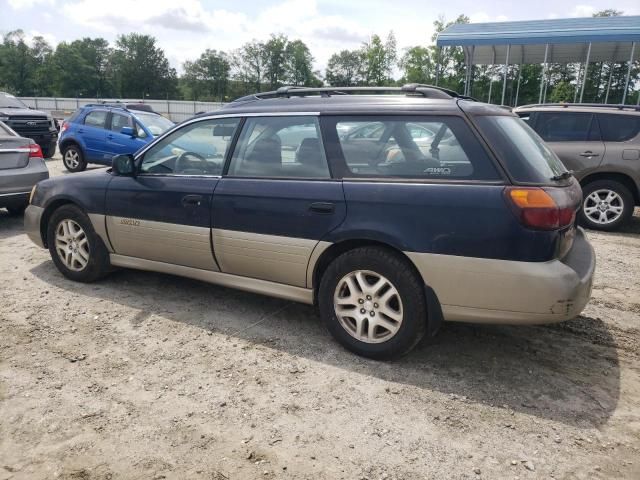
[[150, 376]]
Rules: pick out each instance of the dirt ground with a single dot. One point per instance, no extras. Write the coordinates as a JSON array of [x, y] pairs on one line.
[[150, 376]]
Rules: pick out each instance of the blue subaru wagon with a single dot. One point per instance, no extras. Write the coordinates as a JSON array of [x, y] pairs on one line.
[[391, 210], [97, 132]]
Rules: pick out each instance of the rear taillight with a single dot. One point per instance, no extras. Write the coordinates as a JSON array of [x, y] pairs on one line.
[[64, 126], [35, 151], [544, 208]]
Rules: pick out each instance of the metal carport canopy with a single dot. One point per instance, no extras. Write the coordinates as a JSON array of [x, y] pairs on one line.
[[568, 38]]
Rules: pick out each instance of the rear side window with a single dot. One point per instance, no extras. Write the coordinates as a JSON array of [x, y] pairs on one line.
[[436, 147], [618, 128], [567, 127], [523, 153], [96, 118], [280, 147]]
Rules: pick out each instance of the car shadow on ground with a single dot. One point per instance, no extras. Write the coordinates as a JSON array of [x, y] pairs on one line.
[[10, 225], [568, 373]]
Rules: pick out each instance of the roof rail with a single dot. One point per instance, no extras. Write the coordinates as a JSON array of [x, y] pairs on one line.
[[618, 106], [103, 103], [427, 91]]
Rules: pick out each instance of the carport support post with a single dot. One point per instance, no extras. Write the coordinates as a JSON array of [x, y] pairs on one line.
[[584, 74], [544, 71], [518, 85], [438, 59], [506, 70], [626, 84]]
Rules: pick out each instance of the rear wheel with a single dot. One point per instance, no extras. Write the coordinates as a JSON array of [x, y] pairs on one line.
[[75, 248], [606, 205], [73, 158], [373, 303], [49, 151]]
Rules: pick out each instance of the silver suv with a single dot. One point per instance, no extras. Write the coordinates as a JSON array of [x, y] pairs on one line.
[[601, 144]]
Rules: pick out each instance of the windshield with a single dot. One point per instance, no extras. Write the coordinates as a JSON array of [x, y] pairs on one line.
[[9, 101], [156, 124], [524, 154]]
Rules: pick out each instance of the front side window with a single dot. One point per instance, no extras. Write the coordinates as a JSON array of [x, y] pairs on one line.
[[567, 127], [619, 128], [118, 121], [280, 147], [96, 119], [155, 123], [195, 149], [438, 147]]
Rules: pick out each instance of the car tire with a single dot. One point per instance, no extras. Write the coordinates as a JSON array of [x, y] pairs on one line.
[[75, 248], [73, 159], [606, 205], [16, 210], [49, 151], [383, 329]]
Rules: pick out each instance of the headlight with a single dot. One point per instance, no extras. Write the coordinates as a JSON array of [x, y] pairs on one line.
[[3, 118], [33, 192]]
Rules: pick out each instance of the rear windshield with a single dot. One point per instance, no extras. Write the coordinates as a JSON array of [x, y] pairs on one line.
[[522, 151]]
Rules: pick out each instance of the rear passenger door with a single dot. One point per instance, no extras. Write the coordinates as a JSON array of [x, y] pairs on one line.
[[119, 142], [277, 200], [94, 136], [621, 135], [574, 137]]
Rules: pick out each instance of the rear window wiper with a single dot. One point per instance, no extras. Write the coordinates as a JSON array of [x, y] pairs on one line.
[[562, 176]]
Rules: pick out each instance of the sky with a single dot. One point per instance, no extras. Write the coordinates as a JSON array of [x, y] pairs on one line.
[[185, 28]]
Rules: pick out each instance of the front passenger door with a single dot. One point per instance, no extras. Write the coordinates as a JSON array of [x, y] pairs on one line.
[[119, 142], [164, 213]]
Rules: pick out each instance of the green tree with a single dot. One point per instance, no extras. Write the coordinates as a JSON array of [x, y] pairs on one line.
[[140, 69], [208, 75], [299, 65], [344, 69], [450, 65], [81, 68], [17, 64], [563, 91], [417, 66], [379, 60]]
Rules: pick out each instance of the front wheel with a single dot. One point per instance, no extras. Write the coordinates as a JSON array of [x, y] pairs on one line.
[[606, 205], [373, 303], [75, 248], [73, 158]]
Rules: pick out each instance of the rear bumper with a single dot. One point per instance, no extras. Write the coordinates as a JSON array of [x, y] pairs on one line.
[[32, 222], [16, 183], [507, 292]]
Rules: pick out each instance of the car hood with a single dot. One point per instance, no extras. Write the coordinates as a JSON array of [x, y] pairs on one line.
[[86, 189], [22, 112]]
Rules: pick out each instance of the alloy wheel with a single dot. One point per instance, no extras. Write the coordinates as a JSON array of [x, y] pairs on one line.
[[368, 306], [603, 206], [72, 245], [71, 158]]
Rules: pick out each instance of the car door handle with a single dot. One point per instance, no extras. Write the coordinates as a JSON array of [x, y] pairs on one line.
[[589, 153], [322, 207], [81, 130], [110, 137], [191, 200]]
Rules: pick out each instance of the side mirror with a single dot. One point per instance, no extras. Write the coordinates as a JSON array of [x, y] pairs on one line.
[[128, 131], [123, 165]]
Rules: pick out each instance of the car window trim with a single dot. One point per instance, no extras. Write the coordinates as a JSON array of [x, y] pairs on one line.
[[110, 122]]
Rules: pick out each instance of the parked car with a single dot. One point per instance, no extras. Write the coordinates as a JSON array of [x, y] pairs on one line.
[[29, 123], [601, 145], [386, 246], [97, 132], [21, 167]]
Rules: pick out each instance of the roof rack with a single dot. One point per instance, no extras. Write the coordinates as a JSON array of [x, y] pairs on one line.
[[427, 91], [618, 106], [141, 107], [103, 103]]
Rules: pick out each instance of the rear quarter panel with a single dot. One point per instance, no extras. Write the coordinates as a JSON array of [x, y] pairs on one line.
[[448, 219]]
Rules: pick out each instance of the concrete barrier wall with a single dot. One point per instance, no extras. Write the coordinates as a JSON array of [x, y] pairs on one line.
[[176, 110]]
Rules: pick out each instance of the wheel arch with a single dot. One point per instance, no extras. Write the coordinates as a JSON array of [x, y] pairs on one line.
[[48, 211], [435, 316], [622, 178], [68, 142]]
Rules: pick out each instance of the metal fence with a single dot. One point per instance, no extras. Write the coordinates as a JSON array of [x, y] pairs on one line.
[[174, 109]]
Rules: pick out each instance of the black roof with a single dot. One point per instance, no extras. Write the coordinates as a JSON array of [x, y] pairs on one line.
[[357, 100]]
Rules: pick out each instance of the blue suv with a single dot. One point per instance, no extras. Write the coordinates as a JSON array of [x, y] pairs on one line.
[[390, 212], [97, 132]]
